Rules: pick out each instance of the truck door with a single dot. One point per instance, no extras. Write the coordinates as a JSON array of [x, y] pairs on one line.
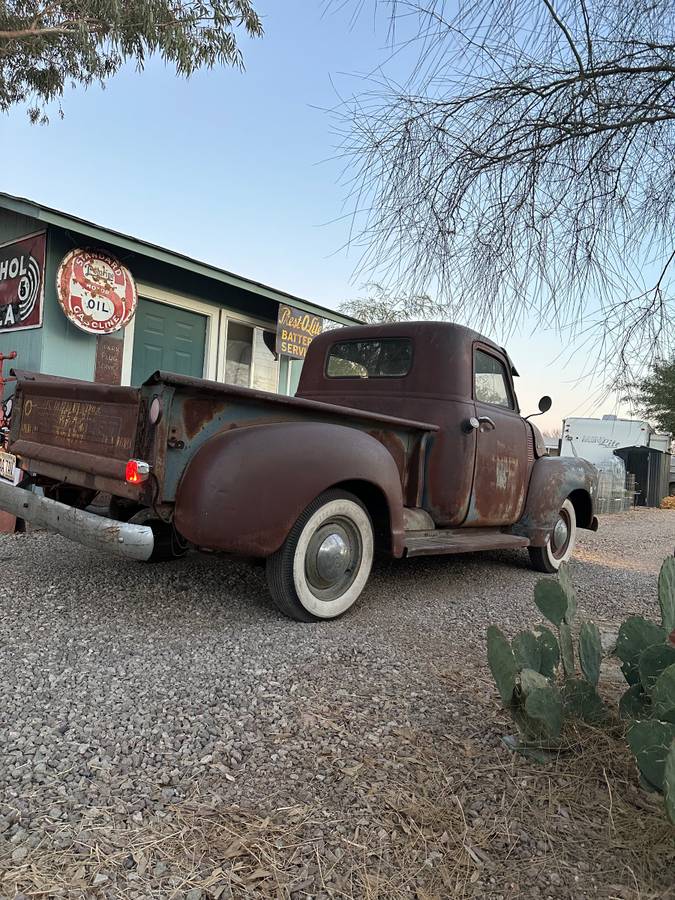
[[501, 465]]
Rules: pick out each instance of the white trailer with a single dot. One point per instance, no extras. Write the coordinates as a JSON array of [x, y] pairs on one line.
[[597, 439]]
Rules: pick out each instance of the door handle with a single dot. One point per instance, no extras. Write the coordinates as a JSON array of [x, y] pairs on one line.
[[469, 425], [485, 423]]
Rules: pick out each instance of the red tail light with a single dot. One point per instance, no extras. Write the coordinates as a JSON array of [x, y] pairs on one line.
[[137, 471]]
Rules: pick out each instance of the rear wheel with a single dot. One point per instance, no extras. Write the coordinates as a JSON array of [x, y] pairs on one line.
[[559, 544], [323, 565]]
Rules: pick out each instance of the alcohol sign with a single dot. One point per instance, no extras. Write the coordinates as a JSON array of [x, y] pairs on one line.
[[22, 269], [96, 292], [295, 331]]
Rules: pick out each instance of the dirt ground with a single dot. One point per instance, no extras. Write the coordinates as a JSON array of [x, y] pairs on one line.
[[166, 733]]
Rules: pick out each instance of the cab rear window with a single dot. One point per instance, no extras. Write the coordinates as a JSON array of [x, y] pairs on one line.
[[384, 358]]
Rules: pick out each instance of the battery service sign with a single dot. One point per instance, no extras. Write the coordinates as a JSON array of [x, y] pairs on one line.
[[22, 273], [96, 292]]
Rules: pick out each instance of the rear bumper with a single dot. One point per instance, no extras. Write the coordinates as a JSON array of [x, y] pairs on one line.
[[109, 535]]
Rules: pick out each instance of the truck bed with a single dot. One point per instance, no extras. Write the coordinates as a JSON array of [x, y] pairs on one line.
[[83, 433]]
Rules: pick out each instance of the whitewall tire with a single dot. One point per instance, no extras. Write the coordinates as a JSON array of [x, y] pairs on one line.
[[560, 542], [323, 565]]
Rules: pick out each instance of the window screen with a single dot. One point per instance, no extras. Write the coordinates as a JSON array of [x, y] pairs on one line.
[[491, 384], [385, 358]]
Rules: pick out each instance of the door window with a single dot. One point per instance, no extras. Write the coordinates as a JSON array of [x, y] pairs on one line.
[[491, 383], [238, 354]]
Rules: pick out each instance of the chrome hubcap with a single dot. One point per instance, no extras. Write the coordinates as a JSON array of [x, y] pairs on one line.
[[333, 558], [561, 535]]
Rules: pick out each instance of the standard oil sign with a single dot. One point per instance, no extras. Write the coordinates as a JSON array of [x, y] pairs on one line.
[[96, 292], [22, 267], [295, 331]]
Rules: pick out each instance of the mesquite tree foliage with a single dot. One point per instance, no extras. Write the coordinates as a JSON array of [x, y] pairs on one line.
[[45, 46], [527, 168]]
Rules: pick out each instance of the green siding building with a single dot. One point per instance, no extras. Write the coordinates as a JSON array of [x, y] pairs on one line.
[[191, 318]]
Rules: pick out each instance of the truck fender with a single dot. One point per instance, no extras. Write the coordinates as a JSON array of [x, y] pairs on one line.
[[244, 489], [552, 481]]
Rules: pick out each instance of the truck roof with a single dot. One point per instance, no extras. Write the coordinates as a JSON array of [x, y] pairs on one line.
[[446, 345]]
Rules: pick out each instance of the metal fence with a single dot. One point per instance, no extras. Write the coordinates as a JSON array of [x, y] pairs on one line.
[[616, 489]]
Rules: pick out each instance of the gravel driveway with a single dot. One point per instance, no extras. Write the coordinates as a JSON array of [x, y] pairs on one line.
[[165, 733]]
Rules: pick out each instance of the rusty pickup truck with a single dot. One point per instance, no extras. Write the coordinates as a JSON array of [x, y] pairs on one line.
[[404, 438]]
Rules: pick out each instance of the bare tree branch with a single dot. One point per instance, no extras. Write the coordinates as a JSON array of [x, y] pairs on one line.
[[527, 169]]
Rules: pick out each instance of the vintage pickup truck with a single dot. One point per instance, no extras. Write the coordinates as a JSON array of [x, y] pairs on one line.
[[403, 438]]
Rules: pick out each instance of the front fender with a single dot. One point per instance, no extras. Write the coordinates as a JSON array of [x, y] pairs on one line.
[[552, 481], [244, 489]]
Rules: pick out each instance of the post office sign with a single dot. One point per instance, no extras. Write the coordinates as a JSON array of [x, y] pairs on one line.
[[96, 292], [22, 269]]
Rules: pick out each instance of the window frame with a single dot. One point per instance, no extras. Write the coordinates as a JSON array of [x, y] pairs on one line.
[[382, 340], [489, 351]]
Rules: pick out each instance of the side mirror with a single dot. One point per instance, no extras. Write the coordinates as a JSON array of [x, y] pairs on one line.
[[544, 405]]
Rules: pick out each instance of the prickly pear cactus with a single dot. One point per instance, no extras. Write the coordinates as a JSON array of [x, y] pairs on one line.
[[581, 701]]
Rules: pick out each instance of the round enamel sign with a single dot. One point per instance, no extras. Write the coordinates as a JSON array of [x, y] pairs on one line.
[[96, 292]]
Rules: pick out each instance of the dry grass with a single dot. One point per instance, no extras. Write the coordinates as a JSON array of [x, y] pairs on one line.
[[461, 820], [668, 503]]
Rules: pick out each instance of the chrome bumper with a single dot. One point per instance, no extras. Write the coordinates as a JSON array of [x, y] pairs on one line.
[[120, 538]]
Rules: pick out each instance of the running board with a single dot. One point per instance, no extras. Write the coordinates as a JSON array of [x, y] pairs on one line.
[[460, 540]]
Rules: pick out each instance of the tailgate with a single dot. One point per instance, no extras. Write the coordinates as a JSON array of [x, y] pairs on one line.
[[60, 422]]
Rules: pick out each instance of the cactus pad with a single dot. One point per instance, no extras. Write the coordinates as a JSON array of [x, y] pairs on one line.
[[551, 600], [565, 581], [590, 652], [667, 593], [544, 706], [663, 695], [650, 742], [502, 664], [669, 783], [527, 651], [635, 635], [653, 661], [567, 649], [582, 701], [550, 652]]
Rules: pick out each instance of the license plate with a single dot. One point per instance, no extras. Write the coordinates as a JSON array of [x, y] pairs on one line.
[[7, 465]]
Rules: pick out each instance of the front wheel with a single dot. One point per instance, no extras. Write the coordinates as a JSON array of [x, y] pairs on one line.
[[559, 544], [323, 565]]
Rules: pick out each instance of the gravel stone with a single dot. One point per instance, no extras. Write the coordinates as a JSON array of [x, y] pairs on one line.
[[129, 691]]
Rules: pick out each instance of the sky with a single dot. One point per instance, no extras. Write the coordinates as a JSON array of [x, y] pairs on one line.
[[243, 170]]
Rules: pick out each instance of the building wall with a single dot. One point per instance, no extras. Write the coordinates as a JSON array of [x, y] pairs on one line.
[[60, 348]]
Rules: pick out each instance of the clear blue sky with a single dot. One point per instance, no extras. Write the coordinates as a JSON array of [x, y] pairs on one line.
[[240, 169]]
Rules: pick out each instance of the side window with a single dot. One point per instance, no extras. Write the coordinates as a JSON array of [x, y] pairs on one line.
[[491, 384]]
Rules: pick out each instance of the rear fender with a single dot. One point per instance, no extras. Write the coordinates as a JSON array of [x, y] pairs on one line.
[[244, 489], [552, 481]]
